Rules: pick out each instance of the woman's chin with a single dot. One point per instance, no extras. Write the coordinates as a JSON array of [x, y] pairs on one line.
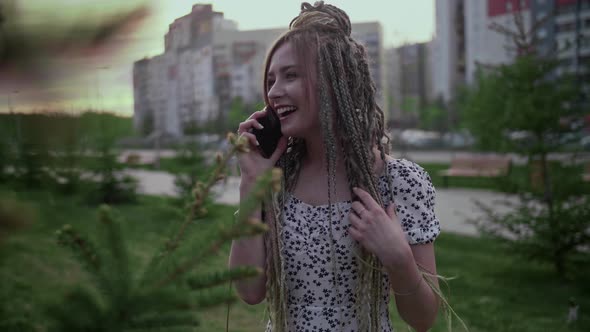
[[289, 131]]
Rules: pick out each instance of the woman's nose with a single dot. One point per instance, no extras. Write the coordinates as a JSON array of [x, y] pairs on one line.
[[275, 91]]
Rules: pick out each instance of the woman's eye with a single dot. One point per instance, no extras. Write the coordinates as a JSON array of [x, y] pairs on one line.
[[269, 83], [291, 75]]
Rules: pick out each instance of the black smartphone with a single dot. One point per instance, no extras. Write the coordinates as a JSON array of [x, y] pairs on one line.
[[269, 136]]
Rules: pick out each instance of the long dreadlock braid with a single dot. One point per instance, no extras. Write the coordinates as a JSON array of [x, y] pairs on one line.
[[350, 119]]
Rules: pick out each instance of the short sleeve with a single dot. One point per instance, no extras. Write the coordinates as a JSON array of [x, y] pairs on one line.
[[414, 197]]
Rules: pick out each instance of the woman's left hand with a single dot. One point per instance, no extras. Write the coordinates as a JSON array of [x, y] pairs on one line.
[[378, 231]]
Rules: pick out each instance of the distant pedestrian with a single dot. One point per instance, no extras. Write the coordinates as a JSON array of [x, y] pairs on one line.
[[351, 224]]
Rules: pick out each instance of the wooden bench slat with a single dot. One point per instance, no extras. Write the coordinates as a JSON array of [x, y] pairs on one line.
[[478, 166]]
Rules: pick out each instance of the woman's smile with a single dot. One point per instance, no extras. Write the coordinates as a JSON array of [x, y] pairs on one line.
[[285, 111]]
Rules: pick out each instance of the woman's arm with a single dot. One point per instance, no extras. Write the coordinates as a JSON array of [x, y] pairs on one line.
[[249, 252], [416, 302], [380, 232]]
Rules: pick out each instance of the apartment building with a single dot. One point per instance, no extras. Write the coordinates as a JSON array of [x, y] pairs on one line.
[[208, 62], [564, 32], [409, 81]]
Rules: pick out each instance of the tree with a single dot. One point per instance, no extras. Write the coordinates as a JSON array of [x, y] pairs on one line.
[[525, 97], [238, 112], [112, 186], [171, 290], [190, 168], [434, 116], [531, 99], [32, 149]]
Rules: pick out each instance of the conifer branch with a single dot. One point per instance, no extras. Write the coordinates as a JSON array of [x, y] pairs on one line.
[[119, 278], [243, 227], [173, 299], [210, 280], [213, 297], [82, 248], [200, 192]]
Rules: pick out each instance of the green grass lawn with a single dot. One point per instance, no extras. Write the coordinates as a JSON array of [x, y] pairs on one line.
[[494, 289]]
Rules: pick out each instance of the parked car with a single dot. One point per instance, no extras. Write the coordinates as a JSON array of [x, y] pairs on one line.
[[420, 138], [458, 139]]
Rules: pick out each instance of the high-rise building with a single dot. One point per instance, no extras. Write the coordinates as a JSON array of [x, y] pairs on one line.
[[208, 62], [239, 59], [564, 32], [486, 46], [180, 86], [370, 34], [448, 49], [409, 81], [393, 79], [466, 40]]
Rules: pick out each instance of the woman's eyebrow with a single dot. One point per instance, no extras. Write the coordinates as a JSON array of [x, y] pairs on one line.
[[282, 69], [287, 67]]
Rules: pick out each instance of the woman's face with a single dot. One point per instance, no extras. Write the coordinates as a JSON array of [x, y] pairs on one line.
[[286, 86]]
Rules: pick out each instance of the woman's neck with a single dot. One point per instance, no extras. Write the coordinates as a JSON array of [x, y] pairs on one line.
[[316, 157]]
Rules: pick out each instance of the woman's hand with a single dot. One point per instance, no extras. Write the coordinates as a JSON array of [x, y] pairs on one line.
[[253, 164], [377, 230]]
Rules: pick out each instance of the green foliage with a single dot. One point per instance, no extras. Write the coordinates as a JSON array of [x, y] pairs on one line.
[[225, 122], [493, 289], [112, 187], [527, 97], [239, 112], [169, 291], [523, 96], [190, 168], [6, 153], [434, 117], [49, 149], [410, 105], [536, 234], [13, 217]]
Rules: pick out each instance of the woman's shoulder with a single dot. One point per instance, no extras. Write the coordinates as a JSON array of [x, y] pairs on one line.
[[400, 168]]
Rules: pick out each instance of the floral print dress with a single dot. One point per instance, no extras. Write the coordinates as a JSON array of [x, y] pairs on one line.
[[321, 276]]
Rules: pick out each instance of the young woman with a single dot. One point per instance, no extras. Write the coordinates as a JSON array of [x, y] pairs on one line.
[[352, 224]]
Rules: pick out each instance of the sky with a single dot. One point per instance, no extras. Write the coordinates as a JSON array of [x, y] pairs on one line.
[[105, 82]]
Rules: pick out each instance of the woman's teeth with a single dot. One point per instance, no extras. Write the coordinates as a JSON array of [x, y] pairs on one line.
[[284, 111]]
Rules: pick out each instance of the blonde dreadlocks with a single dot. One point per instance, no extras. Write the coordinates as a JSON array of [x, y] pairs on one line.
[[350, 119]]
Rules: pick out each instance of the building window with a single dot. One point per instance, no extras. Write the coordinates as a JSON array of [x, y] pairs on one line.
[[565, 27], [541, 16], [566, 8]]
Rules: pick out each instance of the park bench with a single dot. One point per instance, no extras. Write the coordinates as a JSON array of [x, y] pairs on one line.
[[488, 166]]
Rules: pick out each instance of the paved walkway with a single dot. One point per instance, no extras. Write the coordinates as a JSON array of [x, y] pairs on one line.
[[426, 156], [454, 207]]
